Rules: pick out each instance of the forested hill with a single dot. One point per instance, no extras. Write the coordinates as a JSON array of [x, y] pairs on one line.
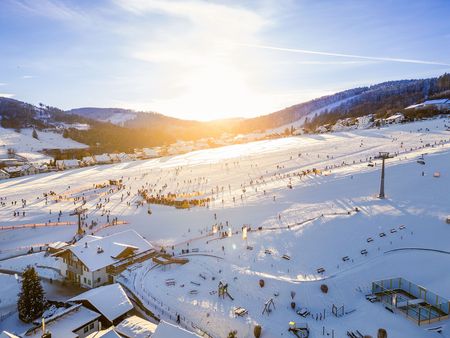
[[115, 129]]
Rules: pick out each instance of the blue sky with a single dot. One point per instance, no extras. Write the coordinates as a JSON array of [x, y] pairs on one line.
[[213, 59]]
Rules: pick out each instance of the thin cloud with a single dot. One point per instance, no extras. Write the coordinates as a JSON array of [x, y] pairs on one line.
[[363, 57], [50, 9], [7, 95], [28, 76]]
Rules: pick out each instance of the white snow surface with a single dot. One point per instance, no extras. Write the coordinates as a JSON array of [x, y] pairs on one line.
[[27, 146], [248, 185]]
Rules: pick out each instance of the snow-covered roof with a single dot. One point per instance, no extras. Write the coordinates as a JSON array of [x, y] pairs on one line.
[[88, 159], [395, 116], [3, 172], [64, 325], [149, 152], [12, 169], [67, 163], [167, 330], [136, 327], [102, 158], [57, 245], [439, 101], [110, 300], [108, 333], [112, 246], [6, 334]]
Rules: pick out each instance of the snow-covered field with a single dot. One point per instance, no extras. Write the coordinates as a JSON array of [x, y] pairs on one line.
[[27, 146], [314, 223]]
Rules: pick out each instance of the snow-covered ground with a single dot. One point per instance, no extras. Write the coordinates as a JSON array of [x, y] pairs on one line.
[[27, 146], [314, 223]]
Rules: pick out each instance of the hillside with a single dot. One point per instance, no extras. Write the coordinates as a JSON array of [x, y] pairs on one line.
[[24, 144], [116, 129]]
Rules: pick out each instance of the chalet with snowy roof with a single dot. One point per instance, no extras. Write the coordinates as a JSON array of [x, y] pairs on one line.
[[123, 157], [114, 158], [396, 118], [67, 164], [73, 322], [110, 301], [94, 261], [23, 170], [150, 153], [88, 160], [103, 159]]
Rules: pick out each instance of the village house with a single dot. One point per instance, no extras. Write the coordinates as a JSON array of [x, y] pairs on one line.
[[88, 160], [3, 174], [110, 301], [150, 153], [22, 170], [396, 118], [123, 157], [114, 158], [42, 168], [67, 164], [103, 159], [76, 321], [11, 162], [93, 261]]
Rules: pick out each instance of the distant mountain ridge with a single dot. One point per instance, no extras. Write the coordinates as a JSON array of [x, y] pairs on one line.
[[123, 129]]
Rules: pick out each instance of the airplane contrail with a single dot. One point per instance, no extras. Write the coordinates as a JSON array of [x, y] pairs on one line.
[[374, 58]]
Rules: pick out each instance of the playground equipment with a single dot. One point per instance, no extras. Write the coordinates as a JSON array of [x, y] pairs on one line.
[[300, 331], [304, 312], [337, 311], [240, 311], [223, 290], [268, 306]]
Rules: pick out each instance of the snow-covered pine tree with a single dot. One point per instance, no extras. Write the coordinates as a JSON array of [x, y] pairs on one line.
[[31, 303]]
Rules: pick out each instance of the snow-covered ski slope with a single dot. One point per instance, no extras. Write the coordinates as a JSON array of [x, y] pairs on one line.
[[314, 224], [25, 145]]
